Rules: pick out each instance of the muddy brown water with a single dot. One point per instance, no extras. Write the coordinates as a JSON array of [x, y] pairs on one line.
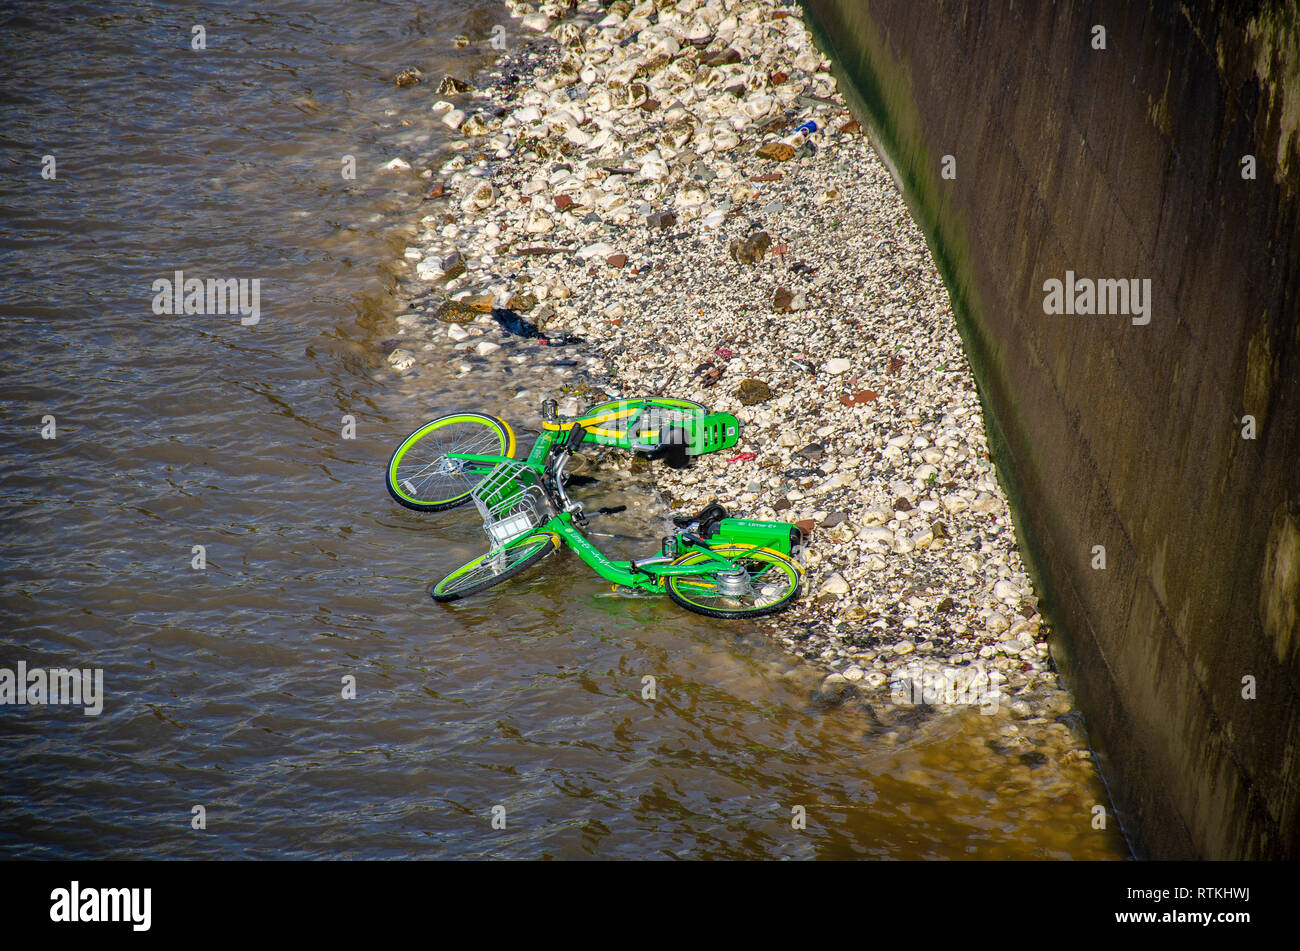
[[223, 686]]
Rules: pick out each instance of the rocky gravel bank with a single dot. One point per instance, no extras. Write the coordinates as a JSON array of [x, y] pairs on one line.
[[641, 185]]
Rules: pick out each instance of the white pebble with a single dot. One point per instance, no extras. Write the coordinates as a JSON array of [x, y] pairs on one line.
[[835, 585]]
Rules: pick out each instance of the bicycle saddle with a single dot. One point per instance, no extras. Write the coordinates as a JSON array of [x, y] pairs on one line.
[[707, 519], [673, 455]]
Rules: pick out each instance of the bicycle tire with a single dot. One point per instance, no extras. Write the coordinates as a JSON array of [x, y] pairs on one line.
[[424, 479], [767, 568], [515, 556], [665, 402]]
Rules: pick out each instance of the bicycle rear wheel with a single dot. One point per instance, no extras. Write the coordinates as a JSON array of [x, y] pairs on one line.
[[658, 412], [665, 402], [421, 477], [760, 582], [495, 567]]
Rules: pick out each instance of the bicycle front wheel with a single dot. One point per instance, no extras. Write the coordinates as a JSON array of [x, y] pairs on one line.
[[422, 477], [758, 582], [495, 567]]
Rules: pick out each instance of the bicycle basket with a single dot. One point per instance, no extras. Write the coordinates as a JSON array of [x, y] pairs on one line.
[[508, 507]]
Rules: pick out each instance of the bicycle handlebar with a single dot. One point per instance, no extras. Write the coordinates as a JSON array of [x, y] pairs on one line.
[[554, 485], [576, 435], [553, 480]]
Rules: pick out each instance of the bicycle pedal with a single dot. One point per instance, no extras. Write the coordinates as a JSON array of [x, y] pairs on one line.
[[626, 592]]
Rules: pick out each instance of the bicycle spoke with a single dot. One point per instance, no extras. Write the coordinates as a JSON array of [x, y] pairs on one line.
[[769, 581], [427, 475], [494, 567]]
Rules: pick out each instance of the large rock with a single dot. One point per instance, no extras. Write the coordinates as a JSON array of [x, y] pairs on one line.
[[750, 250], [835, 691], [455, 312], [750, 392], [782, 298]]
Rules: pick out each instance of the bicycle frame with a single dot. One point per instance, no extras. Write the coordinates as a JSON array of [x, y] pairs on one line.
[[621, 429], [536, 457], [647, 574], [645, 423]]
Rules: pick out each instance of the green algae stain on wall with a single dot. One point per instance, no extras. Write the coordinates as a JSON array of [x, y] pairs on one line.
[[1274, 34], [878, 87], [1279, 590]]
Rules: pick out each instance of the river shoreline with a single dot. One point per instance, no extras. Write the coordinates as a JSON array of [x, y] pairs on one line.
[[608, 185]]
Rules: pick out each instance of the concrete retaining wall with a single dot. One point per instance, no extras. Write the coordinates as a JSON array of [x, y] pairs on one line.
[[1126, 162]]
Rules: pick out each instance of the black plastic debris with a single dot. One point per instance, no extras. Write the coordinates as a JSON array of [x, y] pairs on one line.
[[513, 323]]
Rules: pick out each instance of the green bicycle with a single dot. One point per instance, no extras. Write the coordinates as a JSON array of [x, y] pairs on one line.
[[712, 564]]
